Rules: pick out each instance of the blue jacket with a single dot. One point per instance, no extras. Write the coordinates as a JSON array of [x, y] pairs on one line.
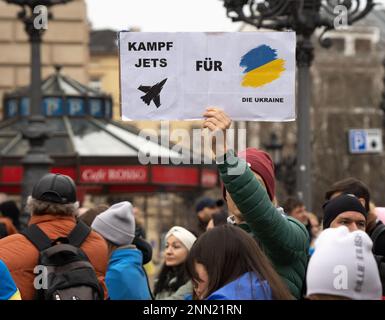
[[246, 287], [8, 289], [125, 276]]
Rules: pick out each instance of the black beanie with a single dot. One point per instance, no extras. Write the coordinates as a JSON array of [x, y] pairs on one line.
[[340, 204]]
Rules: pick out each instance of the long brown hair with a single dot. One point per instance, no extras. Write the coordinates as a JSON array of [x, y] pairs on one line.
[[167, 274], [228, 252]]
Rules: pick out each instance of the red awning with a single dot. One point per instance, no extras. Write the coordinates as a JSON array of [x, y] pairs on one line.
[[134, 178]]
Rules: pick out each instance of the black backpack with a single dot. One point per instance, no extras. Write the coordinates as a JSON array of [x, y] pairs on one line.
[[3, 230], [69, 273], [379, 230]]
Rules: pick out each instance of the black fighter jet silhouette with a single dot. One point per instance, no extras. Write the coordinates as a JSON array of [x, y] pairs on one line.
[[152, 93]]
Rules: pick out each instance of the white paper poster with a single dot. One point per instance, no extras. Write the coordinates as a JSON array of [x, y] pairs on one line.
[[176, 76]]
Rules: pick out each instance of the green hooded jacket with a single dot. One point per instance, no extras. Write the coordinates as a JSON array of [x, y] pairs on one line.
[[283, 239]]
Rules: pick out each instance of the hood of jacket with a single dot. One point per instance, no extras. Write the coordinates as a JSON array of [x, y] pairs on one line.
[[127, 254]]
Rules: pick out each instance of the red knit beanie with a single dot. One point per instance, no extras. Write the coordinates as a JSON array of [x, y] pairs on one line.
[[260, 162]]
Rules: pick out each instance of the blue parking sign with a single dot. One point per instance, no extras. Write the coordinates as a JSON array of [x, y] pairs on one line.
[[96, 108], [53, 106], [75, 107], [357, 141]]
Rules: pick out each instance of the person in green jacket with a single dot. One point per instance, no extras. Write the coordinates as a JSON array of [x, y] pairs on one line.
[[250, 187]]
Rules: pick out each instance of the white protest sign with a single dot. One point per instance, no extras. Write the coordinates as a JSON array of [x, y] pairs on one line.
[[176, 76]]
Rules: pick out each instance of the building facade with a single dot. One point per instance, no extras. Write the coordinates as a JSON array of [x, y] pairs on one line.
[[61, 45]]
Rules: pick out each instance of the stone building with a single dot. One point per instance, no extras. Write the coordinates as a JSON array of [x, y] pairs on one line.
[[103, 68], [61, 45], [348, 82]]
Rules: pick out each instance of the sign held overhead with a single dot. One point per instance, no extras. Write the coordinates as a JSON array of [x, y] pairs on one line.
[[176, 76]]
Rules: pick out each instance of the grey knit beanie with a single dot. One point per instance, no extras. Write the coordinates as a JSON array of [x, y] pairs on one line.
[[116, 224]]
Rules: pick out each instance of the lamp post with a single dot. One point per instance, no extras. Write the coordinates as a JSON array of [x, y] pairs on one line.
[[284, 166], [36, 162], [382, 105], [304, 17]]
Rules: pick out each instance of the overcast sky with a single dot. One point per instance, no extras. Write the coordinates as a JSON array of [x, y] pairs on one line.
[[160, 15]]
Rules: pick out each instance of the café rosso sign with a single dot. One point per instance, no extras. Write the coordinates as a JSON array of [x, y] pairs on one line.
[[122, 174]]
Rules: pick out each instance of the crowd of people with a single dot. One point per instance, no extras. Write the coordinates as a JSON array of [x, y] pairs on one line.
[[246, 247]]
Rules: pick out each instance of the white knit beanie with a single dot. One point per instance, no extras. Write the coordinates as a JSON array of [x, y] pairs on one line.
[[343, 265], [116, 224], [183, 235]]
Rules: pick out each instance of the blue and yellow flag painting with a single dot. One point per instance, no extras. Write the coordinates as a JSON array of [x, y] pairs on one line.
[[262, 66]]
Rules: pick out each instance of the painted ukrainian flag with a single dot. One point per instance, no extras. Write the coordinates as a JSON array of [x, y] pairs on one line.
[[262, 66]]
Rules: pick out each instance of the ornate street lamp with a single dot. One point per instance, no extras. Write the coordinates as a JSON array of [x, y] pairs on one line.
[[36, 162], [284, 166], [304, 17]]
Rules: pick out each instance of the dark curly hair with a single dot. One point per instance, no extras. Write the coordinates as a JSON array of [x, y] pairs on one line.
[[166, 274]]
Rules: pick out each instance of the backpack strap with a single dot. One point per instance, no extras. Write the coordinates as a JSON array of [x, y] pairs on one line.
[[41, 241], [378, 230], [38, 238], [79, 234]]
